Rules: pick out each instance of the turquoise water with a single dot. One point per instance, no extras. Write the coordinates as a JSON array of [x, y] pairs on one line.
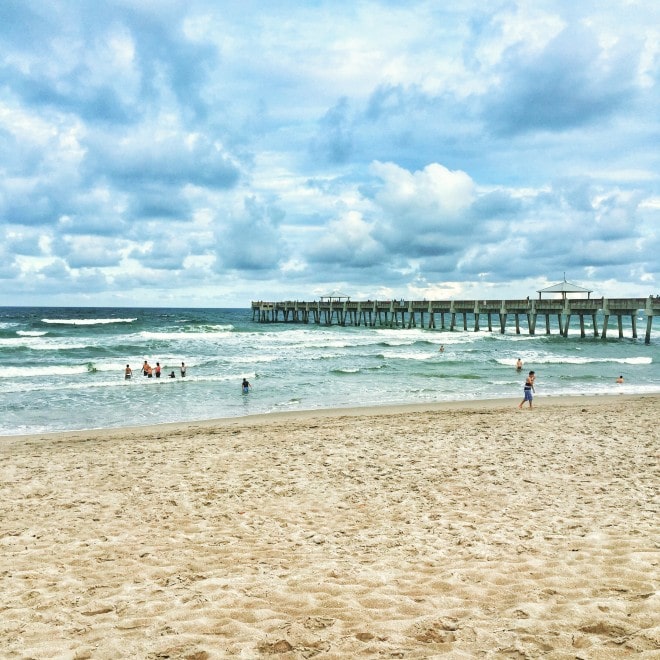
[[63, 368]]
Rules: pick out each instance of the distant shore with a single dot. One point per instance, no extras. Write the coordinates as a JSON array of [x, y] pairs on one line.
[[466, 528]]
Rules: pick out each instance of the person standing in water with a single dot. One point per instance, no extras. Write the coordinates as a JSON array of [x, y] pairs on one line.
[[245, 386], [128, 372], [519, 364], [183, 370], [528, 389]]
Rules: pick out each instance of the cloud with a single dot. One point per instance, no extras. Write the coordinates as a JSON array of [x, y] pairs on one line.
[[418, 207], [249, 238], [334, 142], [86, 252], [572, 81], [158, 149], [158, 155], [348, 241]]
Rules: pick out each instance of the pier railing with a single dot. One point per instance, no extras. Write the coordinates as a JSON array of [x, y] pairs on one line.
[[435, 313]]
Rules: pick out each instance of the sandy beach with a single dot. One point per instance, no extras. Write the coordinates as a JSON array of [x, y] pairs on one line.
[[459, 530]]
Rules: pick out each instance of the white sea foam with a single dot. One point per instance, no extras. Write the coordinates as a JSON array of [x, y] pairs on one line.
[[254, 359], [410, 356], [560, 359], [36, 343], [182, 336], [207, 328], [45, 370], [86, 321], [31, 333]]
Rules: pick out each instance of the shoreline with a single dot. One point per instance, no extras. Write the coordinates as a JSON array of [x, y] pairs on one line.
[[547, 401]]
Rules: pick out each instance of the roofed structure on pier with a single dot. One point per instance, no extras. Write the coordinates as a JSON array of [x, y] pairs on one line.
[[335, 296], [564, 288]]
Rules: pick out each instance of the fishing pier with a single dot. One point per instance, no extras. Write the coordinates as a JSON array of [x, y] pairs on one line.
[[457, 314]]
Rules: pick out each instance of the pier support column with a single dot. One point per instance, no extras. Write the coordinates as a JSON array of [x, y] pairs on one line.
[[582, 326], [476, 321], [593, 321], [465, 321], [566, 323], [547, 324], [647, 336], [620, 321], [531, 323], [633, 321], [502, 323], [452, 323], [490, 322], [517, 323], [605, 321]]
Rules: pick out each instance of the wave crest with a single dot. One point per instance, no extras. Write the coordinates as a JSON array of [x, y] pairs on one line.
[[86, 321]]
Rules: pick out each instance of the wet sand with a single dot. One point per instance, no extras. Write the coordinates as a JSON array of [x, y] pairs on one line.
[[467, 530]]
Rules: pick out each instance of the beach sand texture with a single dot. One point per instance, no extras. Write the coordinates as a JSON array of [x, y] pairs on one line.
[[465, 531]]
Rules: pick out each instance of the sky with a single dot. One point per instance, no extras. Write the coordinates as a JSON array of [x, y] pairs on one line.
[[209, 153]]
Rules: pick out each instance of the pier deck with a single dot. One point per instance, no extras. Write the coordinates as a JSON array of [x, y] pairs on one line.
[[434, 314]]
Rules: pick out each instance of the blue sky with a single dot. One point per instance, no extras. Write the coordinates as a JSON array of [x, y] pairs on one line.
[[208, 153]]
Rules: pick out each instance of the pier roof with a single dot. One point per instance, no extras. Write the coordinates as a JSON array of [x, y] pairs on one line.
[[335, 295], [564, 288]]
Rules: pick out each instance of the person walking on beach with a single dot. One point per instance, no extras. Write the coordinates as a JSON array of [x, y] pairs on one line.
[[128, 372], [183, 370], [245, 386], [528, 389]]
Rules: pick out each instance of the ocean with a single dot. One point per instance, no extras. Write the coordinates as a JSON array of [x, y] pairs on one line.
[[63, 368]]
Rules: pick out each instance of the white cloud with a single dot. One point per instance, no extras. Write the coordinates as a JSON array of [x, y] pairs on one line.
[[428, 196]]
